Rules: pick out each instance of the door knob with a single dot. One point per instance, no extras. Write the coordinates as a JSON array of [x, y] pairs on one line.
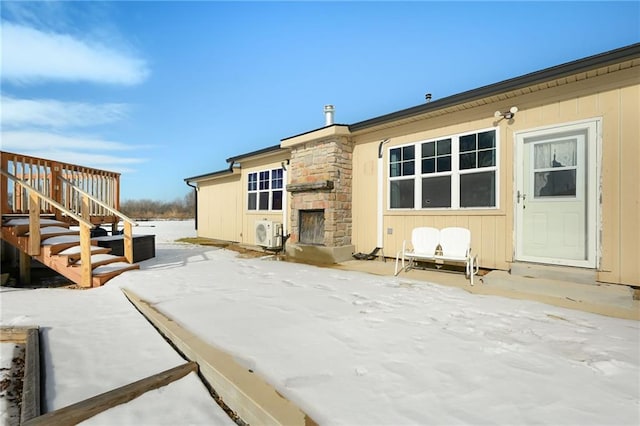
[[523, 196]]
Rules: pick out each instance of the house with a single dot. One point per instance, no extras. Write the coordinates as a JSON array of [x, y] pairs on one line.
[[543, 168]]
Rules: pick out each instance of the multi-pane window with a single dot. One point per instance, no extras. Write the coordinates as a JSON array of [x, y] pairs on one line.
[[478, 169], [436, 171], [277, 185], [253, 191], [401, 172], [453, 172], [265, 190]]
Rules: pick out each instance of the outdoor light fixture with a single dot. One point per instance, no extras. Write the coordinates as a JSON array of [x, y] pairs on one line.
[[508, 114]]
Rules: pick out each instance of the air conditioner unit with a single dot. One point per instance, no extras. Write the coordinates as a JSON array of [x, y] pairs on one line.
[[268, 234]]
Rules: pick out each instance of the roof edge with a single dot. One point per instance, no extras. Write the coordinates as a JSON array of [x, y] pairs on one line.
[[219, 173], [563, 70], [314, 130], [266, 150]]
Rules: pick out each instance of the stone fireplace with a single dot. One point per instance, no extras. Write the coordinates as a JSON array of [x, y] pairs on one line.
[[320, 188]]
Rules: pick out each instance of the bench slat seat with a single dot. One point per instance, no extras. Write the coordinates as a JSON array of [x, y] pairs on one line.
[[451, 244]]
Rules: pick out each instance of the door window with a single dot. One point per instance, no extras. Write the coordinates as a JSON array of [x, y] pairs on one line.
[[555, 166]]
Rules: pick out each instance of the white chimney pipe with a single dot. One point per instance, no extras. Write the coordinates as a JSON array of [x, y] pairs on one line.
[[328, 115]]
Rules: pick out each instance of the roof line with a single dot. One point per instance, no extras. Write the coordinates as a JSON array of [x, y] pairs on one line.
[[600, 60], [211, 174], [252, 153], [231, 160], [314, 130]]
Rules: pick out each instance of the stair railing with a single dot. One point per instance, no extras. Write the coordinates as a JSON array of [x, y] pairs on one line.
[[35, 198], [128, 222]]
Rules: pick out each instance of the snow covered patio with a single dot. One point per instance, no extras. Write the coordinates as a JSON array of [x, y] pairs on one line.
[[347, 347]]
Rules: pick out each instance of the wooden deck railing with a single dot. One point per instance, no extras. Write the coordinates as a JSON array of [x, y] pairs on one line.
[[56, 181]]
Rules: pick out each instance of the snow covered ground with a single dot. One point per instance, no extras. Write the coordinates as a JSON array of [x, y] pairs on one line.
[[349, 348]]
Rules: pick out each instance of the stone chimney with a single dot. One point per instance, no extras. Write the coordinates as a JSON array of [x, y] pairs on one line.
[[320, 187]]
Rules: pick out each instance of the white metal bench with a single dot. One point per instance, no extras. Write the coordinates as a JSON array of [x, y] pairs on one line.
[[446, 245]]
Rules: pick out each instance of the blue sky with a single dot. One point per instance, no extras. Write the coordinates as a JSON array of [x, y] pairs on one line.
[[160, 91]]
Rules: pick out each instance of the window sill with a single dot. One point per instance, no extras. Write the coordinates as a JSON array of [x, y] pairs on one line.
[[488, 211]]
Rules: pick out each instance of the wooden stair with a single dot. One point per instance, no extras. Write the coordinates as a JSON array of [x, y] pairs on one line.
[[60, 250]]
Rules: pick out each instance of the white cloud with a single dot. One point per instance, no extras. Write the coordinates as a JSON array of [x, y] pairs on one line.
[[58, 44], [57, 114], [32, 56], [36, 140]]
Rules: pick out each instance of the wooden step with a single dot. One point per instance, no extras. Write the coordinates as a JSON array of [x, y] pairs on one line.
[[20, 227], [104, 273], [54, 231], [55, 245], [10, 216], [102, 259], [73, 253], [100, 274], [25, 221]]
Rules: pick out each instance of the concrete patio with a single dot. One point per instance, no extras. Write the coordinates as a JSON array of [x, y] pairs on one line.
[[605, 299]]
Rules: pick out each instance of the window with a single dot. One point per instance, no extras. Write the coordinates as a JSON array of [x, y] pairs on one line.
[[555, 166], [453, 172], [265, 190], [436, 171], [477, 157], [401, 171]]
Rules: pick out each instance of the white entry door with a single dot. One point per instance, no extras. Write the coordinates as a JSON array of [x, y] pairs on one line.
[[556, 195]]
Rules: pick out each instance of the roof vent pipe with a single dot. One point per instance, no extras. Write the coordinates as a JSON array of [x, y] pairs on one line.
[[328, 115]]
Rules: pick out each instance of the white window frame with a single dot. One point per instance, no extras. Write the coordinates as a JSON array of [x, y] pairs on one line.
[[270, 190], [420, 175], [455, 172], [402, 177]]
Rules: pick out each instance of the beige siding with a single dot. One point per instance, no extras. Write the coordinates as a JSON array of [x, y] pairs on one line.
[[615, 99], [610, 235], [365, 172], [222, 202], [219, 209], [621, 208], [630, 185]]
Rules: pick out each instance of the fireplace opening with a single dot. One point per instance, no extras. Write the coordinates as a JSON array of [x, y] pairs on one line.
[[312, 227]]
